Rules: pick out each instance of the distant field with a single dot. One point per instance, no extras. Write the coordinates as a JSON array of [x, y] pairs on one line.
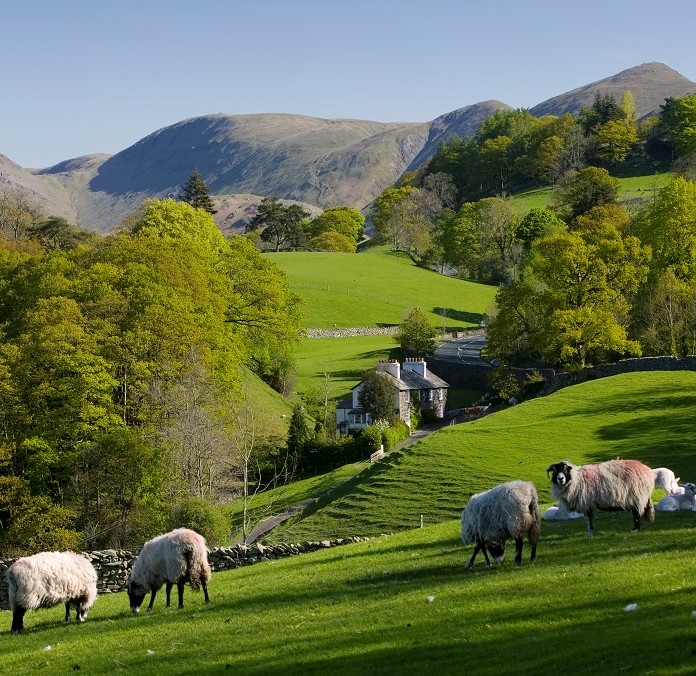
[[378, 288], [632, 189], [646, 416]]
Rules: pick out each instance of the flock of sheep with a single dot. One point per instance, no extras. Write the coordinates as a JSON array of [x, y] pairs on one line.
[[49, 578], [506, 512], [511, 510]]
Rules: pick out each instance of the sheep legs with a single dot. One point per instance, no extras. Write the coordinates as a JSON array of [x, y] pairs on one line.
[[519, 542], [205, 590], [588, 519], [480, 547], [636, 518], [18, 620], [152, 599]]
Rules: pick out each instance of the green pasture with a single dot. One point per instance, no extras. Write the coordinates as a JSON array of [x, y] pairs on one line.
[[345, 359], [647, 416], [403, 604], [378, 288], [633, 191]]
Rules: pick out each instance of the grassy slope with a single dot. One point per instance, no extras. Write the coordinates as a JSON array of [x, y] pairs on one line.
[[276, 409], [631, 189], [403, 604], [647, 416], [378, 288]]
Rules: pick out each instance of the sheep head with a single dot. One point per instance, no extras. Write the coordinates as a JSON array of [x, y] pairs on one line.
[[560, 473], [136, 595]]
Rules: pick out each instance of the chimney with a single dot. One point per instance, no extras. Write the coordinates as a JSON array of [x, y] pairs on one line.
[[391, 367], [417, 365]]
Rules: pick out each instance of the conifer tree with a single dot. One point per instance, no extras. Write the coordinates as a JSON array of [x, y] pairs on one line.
[[195, 192]]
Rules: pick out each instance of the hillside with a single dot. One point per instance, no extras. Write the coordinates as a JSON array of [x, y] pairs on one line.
[[311, 160], [646, 416], [650, 84], [399, 603], [377, 288]]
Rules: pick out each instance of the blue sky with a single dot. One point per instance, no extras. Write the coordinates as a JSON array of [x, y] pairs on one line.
[[85, 76]]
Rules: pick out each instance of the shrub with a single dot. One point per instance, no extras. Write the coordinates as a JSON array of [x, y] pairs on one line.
[[372, 435], [394, 435], [199, 515]]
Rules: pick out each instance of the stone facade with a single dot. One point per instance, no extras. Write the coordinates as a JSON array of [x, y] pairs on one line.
[[113, 565]]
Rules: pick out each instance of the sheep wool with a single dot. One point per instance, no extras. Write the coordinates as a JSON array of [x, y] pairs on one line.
[[505, 512], [665, 479], [47, 579], [615, 485], [178, 557]]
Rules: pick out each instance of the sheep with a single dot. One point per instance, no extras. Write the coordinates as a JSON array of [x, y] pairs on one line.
[[665, 479], [503, 512], [676, 502], [47, 579], [615, 485], [177, 557], [559, 513]]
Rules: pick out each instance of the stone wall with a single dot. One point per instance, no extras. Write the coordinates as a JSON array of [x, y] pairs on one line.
[[353, 332], [561, 380], [113, 565]]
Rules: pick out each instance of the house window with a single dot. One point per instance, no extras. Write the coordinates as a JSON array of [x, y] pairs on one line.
[[359, 418]]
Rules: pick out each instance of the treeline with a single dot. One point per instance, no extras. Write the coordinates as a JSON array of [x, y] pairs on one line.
[[584, 280], [288, 227], [454, 212], [122, 404]]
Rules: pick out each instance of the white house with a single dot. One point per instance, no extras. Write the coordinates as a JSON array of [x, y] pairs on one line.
[[410, 379]]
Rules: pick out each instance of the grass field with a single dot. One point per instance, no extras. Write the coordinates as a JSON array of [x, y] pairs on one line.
[[646, 416], [378, 288], [403, 604], [632, 190]]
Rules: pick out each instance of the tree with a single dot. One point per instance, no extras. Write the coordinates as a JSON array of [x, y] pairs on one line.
[[390, 212], [416, 333], [346, 221], [56, 233], [298, 435], [378, 395], [614, 139], [585, 189], [538, 222], [195, 192], [279, 224], [679, 120], [333, 241], [18, 212]]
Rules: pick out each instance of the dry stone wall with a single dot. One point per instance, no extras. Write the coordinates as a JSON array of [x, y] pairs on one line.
[[353, 332], [113, 565]]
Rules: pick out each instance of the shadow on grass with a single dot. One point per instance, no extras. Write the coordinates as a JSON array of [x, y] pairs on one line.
[[458, 315]]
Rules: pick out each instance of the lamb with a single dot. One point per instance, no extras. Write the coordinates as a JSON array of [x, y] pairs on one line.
[[47, 579], [177, 557], [616, 485], [559, 513], [676, 502], [504, 512], [665, 479]]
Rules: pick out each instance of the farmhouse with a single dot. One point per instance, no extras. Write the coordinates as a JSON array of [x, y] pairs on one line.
[[411, 382]]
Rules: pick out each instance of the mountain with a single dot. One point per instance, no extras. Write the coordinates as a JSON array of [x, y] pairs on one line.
[[314, 161], [650, 84]]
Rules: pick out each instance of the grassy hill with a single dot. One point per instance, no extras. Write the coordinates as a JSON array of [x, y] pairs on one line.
[[646, 416], [377, 288], [633, 190], [400, 605]]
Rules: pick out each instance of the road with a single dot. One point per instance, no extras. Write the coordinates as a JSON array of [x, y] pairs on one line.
[[465, 350]]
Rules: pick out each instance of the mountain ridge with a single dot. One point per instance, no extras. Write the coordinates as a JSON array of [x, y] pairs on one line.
[[311, 160]]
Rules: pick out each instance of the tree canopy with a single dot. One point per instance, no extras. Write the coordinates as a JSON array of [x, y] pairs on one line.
[[195, 192]]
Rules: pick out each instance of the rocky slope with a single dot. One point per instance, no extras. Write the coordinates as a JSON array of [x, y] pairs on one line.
[[314, 161]]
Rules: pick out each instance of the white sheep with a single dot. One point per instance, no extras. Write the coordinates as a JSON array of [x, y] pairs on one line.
[[47, 579], [559, 513], [177, 557], [676, 502], [665, 479], [504, 512], [615, 485]]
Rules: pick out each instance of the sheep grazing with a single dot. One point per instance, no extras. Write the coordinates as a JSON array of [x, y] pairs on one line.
[[47, 579], [502, 513], [665, 479], [676, 502], [616, 485], [173, 558]]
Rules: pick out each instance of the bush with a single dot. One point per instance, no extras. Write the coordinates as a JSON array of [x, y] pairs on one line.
[[372, 436], [199, 515], [428, 416], [394, 435]]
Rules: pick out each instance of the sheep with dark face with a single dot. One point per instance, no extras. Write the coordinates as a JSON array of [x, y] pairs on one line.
[[174, 558], [505, 512], [47, 579], [616, 485]]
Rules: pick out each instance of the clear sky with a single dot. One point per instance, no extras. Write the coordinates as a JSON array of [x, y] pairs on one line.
[[90, 76]]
